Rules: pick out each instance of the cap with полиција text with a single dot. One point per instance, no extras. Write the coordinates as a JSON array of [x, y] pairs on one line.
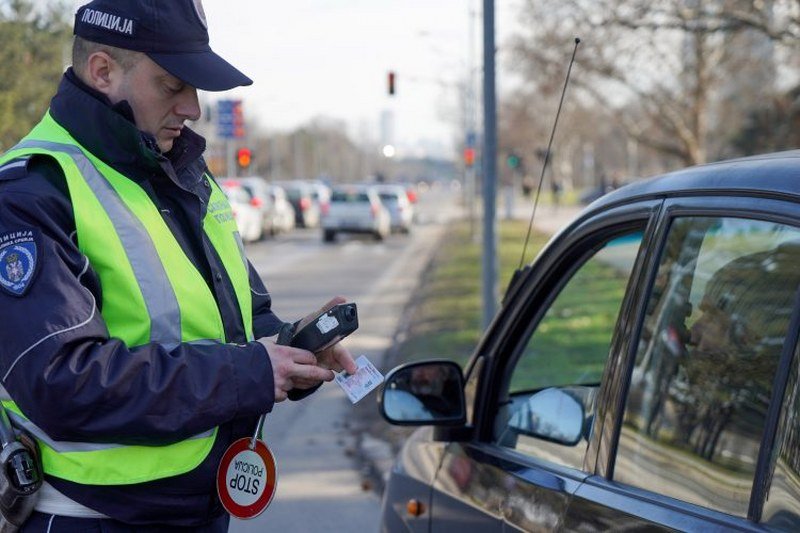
[[173, 33]]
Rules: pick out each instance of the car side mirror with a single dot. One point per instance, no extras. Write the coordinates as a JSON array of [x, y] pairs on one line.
[[424, 393], [550, 414]]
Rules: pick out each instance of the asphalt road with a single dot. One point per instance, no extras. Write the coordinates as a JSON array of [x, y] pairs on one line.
[[320, 483]]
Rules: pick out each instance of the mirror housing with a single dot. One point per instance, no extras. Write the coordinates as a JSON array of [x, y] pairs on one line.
[[424, 393]]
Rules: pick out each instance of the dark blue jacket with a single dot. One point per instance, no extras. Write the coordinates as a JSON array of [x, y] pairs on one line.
[[78, 384]]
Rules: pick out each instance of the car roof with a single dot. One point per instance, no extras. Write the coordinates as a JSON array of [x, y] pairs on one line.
[[295, 185], [391, 188], [351, 187], [771, 175]]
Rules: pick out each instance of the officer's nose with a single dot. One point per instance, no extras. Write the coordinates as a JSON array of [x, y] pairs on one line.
[[188, 105]]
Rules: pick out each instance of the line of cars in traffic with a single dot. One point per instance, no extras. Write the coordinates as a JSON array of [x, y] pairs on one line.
[[263, 208]]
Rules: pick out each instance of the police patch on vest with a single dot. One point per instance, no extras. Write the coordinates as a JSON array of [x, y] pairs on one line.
[[18, 261]]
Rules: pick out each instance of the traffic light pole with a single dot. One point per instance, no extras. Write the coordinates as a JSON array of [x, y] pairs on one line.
[[230, 158], [490, 260]]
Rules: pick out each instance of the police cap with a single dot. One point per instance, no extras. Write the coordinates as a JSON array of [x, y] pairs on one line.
[[173, 33]]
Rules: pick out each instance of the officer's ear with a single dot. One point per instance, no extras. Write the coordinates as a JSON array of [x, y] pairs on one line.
[[103, 74]]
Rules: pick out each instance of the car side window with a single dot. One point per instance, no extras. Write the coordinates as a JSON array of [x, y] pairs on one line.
[[712, 337], [554, 384], [782, 505]]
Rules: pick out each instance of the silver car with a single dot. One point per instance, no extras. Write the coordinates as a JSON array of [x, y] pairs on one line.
[[355, 209], [401, 211]]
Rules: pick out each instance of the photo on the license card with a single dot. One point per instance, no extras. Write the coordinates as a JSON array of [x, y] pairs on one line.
[[358, 385]]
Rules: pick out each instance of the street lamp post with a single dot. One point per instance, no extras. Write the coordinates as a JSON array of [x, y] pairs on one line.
[[490, 260]]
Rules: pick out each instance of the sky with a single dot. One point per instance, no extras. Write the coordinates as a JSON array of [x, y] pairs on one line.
[[331, 58]]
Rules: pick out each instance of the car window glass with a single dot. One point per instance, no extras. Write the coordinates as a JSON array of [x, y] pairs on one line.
[[555, 382], [349, 196], [782, 505], [713, 333]]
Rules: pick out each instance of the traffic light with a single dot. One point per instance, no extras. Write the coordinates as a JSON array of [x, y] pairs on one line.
[[469, 156], [513, 161], [391, 83], [243, 157]]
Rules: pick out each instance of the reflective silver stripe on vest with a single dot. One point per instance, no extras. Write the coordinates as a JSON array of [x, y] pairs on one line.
[[62, 446], [159, 297], [67, 446]]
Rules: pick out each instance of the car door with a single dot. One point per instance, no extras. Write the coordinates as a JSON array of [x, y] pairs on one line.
[[536, 378], [703, 436]]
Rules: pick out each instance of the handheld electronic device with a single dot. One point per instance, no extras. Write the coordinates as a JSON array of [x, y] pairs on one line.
[[328, 328]]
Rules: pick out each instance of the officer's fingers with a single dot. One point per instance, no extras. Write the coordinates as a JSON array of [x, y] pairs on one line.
[[312, 373], [282, 382], [345, 359], [303, 357], [327, 359], [285, 355], [338, 358], [282, 377], [301, 383]]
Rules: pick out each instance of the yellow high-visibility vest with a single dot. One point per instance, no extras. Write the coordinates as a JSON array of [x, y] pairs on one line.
[[152, 293]]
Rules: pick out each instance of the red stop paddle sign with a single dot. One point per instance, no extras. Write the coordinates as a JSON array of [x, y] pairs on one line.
[[246, 478]]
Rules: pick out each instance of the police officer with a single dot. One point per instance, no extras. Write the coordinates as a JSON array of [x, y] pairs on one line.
[[134, 331]]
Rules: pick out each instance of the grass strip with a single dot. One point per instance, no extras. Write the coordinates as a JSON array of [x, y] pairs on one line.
[[446, 317]]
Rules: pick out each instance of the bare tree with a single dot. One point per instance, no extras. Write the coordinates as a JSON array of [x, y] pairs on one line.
[[320, 148], [666, 69]]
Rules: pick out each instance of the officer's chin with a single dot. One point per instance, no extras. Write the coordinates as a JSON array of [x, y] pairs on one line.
[[165, 145]]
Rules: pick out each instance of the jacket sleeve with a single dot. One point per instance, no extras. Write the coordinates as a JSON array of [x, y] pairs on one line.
[[265, 322], [59, 365]]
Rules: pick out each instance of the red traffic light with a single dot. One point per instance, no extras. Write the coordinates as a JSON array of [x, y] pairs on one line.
[[469, 156], [391, 83], [243, 157]]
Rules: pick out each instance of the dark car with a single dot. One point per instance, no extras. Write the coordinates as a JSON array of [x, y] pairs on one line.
[[641, 374]]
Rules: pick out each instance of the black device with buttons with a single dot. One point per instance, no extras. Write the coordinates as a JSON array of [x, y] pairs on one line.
[[328, 328]]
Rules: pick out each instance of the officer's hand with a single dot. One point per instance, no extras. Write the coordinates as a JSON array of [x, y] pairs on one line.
[[336, 358], [293, 368]]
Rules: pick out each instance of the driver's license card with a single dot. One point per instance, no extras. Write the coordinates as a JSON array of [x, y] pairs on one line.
[[362, 382]]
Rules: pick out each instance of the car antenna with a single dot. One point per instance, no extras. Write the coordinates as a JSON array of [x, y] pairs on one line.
[[547, 154]]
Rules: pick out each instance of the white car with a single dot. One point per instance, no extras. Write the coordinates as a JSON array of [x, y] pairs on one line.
[[355, 209], [401, 211], [247, 216], [283, 212], [320, 195]]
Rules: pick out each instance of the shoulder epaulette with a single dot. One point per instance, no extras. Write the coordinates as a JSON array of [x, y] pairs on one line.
[[14, 169]]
